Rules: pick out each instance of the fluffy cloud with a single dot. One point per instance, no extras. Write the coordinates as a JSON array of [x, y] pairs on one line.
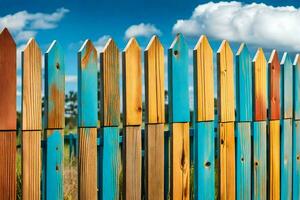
[[257, 24], [144, 30], [100, 43]]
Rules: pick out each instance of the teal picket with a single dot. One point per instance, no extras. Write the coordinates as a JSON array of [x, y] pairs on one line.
[[296, 160], [286, 92]]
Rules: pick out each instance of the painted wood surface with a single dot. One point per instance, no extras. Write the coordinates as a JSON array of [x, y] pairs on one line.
[[286, 87], [286, 149], [274, 159], [296, 82], [204, 163], [243, 160], [296, 159], [203, 80], [274, 86], [259, 179], [132, 83], [225, 83], [260, 86], [227, 161], [109, 83], [8, 116], [180, 161], [178, 81], [87, 85], [154, 154], [243, 84]]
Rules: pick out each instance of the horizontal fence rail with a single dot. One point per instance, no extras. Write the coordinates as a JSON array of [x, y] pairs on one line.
[[240, 141]]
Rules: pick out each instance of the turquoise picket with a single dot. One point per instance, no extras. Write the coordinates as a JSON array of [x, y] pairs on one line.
[[296, 87], [296, 160]]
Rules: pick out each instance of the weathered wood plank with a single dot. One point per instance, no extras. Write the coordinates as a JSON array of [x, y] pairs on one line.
[[286, 91], [243, 160], [154, 82], [296, 160], [274, 159], [203, 80], [227, 161], [132, 83], [180, 161], [243, 84], [154, 153], [260, 86], [225, 83], [109, 82], [204, 178], [296, 83]]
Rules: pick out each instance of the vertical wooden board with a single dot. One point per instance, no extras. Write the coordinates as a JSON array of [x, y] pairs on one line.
[[87, 85], [154, 153], [227, 161], [274, 86], [178, 91], [132, 163], [225, 83], [260, 86], [8, 153], [132, 83], [296, 160], [286, 159], [109, 82], [180, 161], [110, 163], [87, 164], [274, 159], [286, 87], [243, 84], [296, 87], [54, 164], [31, 87], [204, 163], [31, 165], [259, 182], [243, 160], [203, 80], [54, 87], [154, 82]]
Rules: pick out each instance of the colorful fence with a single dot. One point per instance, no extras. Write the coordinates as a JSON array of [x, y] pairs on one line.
[[248, 149]]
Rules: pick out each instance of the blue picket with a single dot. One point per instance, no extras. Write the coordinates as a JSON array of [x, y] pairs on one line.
[[296, 160]]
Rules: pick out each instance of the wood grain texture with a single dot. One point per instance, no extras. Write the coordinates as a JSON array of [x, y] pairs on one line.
[[31, 165], [180, 161], [203, 80], [286, 91], [87, 163], [274, 86], [31, 87], [8, 81], [109, 83], [154, 155], [260, 86], [178, 81], [227, 161], [132, 163], [296, 82], [154, 82], [296, 159], [8, 176], [54, 87], [274, 159], [244, 97], [225, 83], [132, 83]]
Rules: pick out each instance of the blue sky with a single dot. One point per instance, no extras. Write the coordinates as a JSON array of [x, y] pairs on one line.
[[273, 24]]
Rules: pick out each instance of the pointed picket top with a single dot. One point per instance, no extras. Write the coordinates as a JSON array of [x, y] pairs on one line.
[[287, 86], [203, 80], [225, 83], [54, 86], [178, 81], [154, 82], [5, 36], [296, 94], [110, 94], [243, 84], [260, 85], [132, 80], [297, 60]]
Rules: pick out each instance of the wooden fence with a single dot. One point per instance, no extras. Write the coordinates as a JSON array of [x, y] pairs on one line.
[[248, 149]]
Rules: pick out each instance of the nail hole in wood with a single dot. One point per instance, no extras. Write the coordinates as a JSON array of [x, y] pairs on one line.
[[242, 159], [57, 168], [176, 53], [298, 157], [222, 141], [256, 163], [207, 164], [57, 66]]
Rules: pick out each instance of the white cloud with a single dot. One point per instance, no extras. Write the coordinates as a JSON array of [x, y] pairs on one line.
[[257, 24], [71, 78], [100, 43], [144, 30]]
